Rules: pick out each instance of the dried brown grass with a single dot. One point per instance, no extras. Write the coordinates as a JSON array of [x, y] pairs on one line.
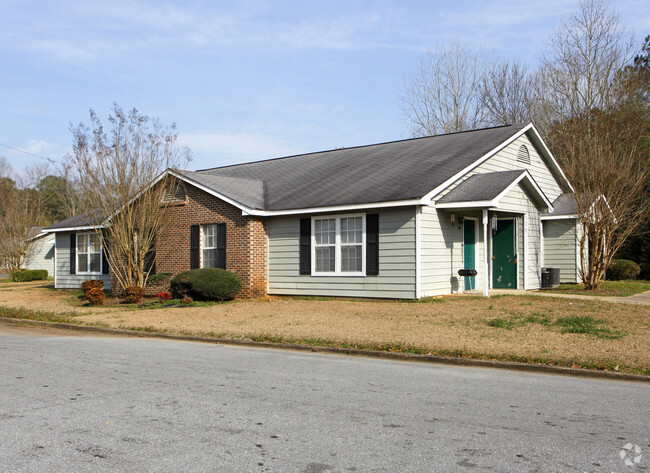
[[453, 325]]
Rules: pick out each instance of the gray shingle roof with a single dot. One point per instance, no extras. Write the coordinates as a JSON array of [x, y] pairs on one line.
[[82, 220], [565, 204], [249, 192], [482, 187], [385, 172]]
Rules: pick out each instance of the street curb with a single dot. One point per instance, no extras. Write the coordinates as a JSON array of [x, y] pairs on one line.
[[398, 356]]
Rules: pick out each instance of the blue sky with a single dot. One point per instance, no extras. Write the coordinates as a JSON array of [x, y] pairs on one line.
[[244, 80]]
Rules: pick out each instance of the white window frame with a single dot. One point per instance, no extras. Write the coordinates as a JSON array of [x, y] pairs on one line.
[[87, 252], [338, 245], [201, 247]]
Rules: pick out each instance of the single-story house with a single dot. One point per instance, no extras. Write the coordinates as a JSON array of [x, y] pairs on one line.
[[41, 250], [392, 220]]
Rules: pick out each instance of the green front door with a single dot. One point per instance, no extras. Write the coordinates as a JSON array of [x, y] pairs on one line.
[[504, 258], [469, 252]]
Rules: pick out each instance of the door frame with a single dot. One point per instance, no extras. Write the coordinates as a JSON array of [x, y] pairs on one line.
[[476, 252], [514, 218]]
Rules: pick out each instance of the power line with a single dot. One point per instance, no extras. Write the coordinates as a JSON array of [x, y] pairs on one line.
[[50, 160]]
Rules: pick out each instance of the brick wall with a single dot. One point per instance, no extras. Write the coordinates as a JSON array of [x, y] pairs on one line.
[[245, 239]]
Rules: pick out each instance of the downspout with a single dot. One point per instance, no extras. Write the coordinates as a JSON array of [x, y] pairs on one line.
[[418, 249], [486, 269]]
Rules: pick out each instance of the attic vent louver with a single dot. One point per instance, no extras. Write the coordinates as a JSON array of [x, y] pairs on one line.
[[523, 156], [176, 193]]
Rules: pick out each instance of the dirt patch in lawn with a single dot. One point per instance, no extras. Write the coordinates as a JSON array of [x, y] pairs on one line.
[[454, 326]]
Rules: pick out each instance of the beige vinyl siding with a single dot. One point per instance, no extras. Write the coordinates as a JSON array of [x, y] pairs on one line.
[[506, 160], [63, 278], [396, 277], [528, 237], [442, 252], [560, 248], [442, 245], [41, 254]]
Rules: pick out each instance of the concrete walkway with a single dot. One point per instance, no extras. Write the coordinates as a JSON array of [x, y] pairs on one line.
[[642, 298]]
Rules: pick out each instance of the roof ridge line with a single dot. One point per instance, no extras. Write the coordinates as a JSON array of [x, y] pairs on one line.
[[357, 147]]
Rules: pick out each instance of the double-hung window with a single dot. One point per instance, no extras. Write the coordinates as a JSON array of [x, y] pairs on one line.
[[89, 253], [209, 246], [339, 245]]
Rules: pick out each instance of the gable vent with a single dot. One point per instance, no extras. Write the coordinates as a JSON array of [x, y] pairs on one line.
[[523, 155], [175, 193]]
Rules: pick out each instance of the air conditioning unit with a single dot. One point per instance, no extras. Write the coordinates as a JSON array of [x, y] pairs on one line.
[[550, 277]]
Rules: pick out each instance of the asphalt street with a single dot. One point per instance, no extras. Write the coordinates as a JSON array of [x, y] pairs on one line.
[[95, 404]]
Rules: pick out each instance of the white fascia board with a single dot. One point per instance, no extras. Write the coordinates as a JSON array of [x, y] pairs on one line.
[[245, 210], [550, 156], [491, 153], [526, 175], [468, 204], [476, 163], [337, 208], [558, 217], [74, 229], [270, 213]]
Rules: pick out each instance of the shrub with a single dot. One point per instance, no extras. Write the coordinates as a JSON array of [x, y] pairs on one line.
[[91, 283], [158, 278], [25, 275], [39, 274], [95, 295], [623, 269], [163, 296], [187, 300], [133, 294], [208, 284]]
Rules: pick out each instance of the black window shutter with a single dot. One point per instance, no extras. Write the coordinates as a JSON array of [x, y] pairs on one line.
[[105, 266], [73, 253], [305, 246], [372, 244], [221, 245], [195, 247]]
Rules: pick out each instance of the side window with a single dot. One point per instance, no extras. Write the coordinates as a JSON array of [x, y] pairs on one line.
[[338, 245], [89, 253], [345, 245], [209, 246]]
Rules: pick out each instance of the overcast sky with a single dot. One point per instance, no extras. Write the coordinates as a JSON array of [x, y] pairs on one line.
[[244, 80]]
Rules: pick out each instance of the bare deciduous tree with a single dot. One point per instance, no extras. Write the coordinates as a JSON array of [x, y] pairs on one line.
[[121, 176], [20, 211], [590, 130], [444, 95], [578, 72], [604, 157], [506, 87]]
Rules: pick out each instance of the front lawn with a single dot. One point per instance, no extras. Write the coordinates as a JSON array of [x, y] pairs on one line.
[[607, 288], [564, 332]]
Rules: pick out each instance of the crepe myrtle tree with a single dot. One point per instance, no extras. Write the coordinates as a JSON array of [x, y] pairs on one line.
[[605, 155], [21, 212], [121, 172]]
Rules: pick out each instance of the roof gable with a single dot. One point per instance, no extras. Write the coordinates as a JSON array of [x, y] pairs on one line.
[[487, 190]]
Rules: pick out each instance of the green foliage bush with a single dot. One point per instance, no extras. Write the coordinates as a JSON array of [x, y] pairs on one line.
[[623, 269], [158, 278], [206, 284], [91, 283], [25, 275], [95, 295], [133, 294]]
